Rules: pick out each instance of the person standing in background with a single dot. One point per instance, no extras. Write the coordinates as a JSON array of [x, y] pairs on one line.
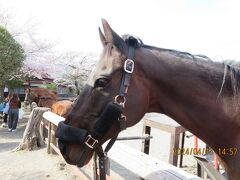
[[5, 92], [14, 105], [5, 111]]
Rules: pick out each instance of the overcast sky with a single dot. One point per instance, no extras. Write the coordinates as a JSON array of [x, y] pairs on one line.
[[209, 27]]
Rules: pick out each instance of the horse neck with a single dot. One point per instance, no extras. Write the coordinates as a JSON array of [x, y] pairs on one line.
[[187, 91]]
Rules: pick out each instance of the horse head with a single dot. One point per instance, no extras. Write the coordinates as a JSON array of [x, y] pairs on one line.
[[42, 96], [30, 96], [114, 80], [131, 79]]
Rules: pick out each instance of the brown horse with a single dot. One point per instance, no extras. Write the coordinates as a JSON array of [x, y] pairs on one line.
[[199, 94], [62, 108], [42, 96], [48, 98]]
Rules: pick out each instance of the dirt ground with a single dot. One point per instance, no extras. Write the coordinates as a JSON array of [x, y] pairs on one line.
[[37, 164], [28, 165]]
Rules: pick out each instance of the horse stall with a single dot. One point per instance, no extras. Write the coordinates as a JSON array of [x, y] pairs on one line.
[[137, 162]]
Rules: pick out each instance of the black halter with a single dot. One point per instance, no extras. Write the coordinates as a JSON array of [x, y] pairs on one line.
[[112, 112]]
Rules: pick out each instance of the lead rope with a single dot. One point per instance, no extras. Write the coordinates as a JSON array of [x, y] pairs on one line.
[[102, 167], [103, 157]]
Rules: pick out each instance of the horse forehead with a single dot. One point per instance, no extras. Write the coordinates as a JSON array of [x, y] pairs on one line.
[[98, 72], [104, 67]]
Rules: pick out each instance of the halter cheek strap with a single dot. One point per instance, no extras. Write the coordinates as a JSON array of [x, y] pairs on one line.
[[120, 99], [125, 83], [128, 70]]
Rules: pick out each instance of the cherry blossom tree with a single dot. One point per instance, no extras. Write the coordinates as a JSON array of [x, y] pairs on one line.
[[73, 67]]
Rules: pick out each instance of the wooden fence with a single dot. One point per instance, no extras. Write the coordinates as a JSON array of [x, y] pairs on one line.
[[141, 164]]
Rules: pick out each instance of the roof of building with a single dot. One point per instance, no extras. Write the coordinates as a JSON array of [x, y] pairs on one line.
[[37, 74]]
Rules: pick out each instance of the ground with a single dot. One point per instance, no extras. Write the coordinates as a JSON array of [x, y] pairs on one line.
[[37, 164], [28, 165]]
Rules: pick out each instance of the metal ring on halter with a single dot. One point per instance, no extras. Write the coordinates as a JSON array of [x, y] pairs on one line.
[[120, 100]]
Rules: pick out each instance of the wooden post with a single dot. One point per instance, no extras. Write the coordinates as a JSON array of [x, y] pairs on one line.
[[32, 137], [41, 130], [53, 139], [200, 171], [173, 157], [182, 146], [216, 162], [196, 142], [146, 142], [49, 137]]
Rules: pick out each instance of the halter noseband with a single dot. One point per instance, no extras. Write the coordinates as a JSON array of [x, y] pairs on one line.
[[112, 112]]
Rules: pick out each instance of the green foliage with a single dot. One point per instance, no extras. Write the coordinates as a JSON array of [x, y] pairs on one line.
[[11, 56], [14, 83], [51, 86]]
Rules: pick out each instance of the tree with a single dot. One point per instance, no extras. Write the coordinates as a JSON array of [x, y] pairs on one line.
[[51, 86], [11, 56], [78, 67], [14, 83], [74, 67], [38, 51]]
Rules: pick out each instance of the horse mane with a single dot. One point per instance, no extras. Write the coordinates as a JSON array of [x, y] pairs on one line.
[[233, 67], [234, 72], [137, 42], [131, 40]]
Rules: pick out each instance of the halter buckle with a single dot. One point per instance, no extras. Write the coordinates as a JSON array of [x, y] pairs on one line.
[[120, 100], [129, 66], [90, 141]]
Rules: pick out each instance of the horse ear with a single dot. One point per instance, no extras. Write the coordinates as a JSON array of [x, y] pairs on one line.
[[113, 37], [102, 37]]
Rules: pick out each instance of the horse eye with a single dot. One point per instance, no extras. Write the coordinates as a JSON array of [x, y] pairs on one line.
[[101, 82]]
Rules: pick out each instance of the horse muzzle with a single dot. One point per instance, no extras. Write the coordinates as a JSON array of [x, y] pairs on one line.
[[77, 145], [75, 154], [71, 144]]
